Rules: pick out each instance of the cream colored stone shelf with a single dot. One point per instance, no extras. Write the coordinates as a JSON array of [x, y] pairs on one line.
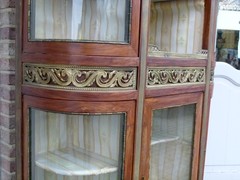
[[75, 162], [159, 137]]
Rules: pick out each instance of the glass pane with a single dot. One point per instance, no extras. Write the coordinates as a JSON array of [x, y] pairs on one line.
[[172, 143], [176, 28], [228, 26], [227, 47], [80, 20], [76, 146]]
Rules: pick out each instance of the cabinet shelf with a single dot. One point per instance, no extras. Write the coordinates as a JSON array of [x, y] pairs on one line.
[[154, 51], [159, 137], [75, 162]]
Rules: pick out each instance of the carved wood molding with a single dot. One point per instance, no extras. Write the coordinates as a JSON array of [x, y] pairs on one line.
[[78, 77], [175, 76]]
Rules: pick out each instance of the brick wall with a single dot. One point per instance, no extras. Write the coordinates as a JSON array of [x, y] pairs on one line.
[[7, 90]]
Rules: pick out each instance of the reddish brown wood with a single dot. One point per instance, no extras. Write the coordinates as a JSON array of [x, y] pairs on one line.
[[83, 48], [204, 134], [146, 141], [158, 92], [79, 107], [173, 62], [80, 96], [25, 143], [197, 137], [206, 25], [166, 102], [80, 60]]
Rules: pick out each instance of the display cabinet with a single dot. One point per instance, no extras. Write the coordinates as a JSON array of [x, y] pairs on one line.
[[114, 89]]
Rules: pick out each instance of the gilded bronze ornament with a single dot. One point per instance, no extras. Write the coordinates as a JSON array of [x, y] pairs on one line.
[[79, 77], [158, 77]]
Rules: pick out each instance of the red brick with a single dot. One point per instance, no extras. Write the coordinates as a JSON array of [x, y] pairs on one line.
[[8, 122], [7, 150], [7, 77], [8, 164], [7, 49], [7, 17], [8, 136], [7, 108], [7, 33], [7, 176], [7, 63], [7, 3], [7, 92]]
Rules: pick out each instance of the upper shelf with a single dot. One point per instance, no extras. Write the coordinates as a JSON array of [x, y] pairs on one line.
[[75, 162], [176, 29], [154, 51]]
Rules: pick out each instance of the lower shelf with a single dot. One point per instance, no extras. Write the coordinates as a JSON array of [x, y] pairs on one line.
[[75, 162], [159, 137]]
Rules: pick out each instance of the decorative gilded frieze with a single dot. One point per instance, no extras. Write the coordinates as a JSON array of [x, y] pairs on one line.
[[79, 77], [159, 77]]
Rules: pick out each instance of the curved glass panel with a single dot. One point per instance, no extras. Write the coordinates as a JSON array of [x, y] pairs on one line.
[[76, 146], [80, 20]]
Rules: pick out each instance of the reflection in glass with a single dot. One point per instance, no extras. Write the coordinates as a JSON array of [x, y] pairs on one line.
[[80, 20], [227, 47], [176, 28], [172, 143], [76, 146]]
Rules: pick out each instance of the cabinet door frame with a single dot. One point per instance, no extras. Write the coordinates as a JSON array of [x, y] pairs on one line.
[[168, 102], [84, 48], [61, 106]]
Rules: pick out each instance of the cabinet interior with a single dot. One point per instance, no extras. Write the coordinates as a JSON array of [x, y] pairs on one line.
[[172, 143], [82, 146], [176, 29], [80, 20]]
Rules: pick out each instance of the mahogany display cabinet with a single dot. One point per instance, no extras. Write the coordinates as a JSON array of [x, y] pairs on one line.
[[114, 89]]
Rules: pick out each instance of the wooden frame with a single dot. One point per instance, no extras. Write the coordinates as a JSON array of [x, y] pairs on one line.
[[167, 102], [83, 48], [80, 107]]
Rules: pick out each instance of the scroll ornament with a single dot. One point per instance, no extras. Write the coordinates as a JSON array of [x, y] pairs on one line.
[[75, 77], [175, 76]]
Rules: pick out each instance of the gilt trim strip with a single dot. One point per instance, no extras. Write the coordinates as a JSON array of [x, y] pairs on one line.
[[79, 77], [175, 76]]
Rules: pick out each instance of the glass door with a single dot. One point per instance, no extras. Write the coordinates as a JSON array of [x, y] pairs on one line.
[[172, 143], [171, 137], [93, 141]]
